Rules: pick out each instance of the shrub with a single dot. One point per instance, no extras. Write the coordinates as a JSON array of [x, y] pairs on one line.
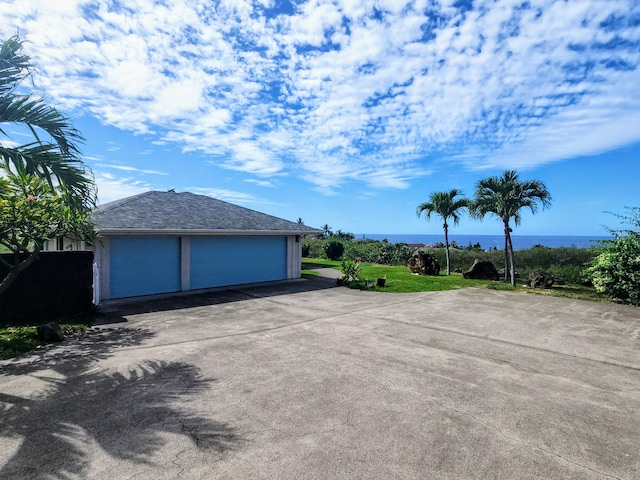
[[366, 250], [395, 254], [383, 253], [351, 270], [616, 270], [566, 263], [333, 250], [313, 248], [571, 274]]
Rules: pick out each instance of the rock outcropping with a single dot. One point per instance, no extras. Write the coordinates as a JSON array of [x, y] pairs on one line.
[[482, 270], [423, 264]]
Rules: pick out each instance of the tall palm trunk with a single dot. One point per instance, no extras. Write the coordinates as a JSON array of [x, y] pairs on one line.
[[509, 264], [506, 250], [446, 245], [509, 251]]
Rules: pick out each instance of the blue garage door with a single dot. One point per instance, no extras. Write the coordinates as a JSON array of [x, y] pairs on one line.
[[219, 261], [144, 266]]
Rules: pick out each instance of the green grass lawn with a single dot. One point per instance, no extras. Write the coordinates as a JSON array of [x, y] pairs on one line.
[[400, 280], [309, 273]]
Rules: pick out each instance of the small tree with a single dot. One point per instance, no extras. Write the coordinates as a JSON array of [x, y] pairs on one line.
[[616, 271], [31, 212], [447, 207]]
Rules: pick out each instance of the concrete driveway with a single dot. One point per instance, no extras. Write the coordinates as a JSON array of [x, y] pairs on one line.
[[305, 380]]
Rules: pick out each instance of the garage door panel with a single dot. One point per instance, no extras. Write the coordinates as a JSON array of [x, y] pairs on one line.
[[144, 266], [219, 261]]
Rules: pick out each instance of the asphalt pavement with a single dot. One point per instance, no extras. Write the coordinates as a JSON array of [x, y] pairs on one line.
[[305, 380]]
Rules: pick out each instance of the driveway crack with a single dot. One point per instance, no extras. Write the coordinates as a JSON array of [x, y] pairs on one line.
[[523, 442]]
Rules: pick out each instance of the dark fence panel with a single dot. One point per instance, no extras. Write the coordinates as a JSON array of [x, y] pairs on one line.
[[58, 284]]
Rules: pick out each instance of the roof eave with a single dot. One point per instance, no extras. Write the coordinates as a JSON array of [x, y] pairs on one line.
[[199, 233]]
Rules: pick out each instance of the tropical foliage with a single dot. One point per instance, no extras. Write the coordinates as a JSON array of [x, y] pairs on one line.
[[372, 251], [616, 270], [505, 196], [350, 270], [52, 153], [32, 212], [334, 250], [45, 189], [448, 207], [564, 263]]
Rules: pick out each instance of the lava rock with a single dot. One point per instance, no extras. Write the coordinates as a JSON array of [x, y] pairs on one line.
[[50, 332], [482, 270], [423, 264]]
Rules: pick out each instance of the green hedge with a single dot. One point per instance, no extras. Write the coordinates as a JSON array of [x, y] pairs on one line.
[[371, 251]]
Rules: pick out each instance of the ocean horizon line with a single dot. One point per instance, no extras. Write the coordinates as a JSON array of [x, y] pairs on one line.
[[489, 242]]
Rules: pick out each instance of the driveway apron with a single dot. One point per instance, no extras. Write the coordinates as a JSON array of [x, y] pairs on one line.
[[307, 380]]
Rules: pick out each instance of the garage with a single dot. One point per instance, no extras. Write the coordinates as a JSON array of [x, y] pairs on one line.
[[219, 261], [166, 242], [144, 266]]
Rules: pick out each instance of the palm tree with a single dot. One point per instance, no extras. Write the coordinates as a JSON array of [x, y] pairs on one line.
[[448, 207], [52, 153], [504, 197]]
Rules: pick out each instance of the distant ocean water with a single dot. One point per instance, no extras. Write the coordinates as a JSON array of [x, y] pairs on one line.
[[488, 242]]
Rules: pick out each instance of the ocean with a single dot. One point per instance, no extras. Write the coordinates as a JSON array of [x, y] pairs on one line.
[[489, 242]]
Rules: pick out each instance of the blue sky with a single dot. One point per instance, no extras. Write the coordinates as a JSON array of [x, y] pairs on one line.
[[350, 113]]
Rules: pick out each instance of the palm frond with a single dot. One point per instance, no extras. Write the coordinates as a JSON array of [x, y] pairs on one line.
[[427, 208], [14, 67], [35, 114], [506, 195], [45, 161], [445, 205], [54, 154]]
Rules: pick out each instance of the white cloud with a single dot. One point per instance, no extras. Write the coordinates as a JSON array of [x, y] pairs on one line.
[[260, 183], [343, 90], [112, 188], [230, 196], [128, 168]]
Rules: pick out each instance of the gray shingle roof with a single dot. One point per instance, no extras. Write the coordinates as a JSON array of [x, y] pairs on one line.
[[170, 212]]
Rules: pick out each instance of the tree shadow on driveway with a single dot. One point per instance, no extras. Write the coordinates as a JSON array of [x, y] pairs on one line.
[[127, 413]]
